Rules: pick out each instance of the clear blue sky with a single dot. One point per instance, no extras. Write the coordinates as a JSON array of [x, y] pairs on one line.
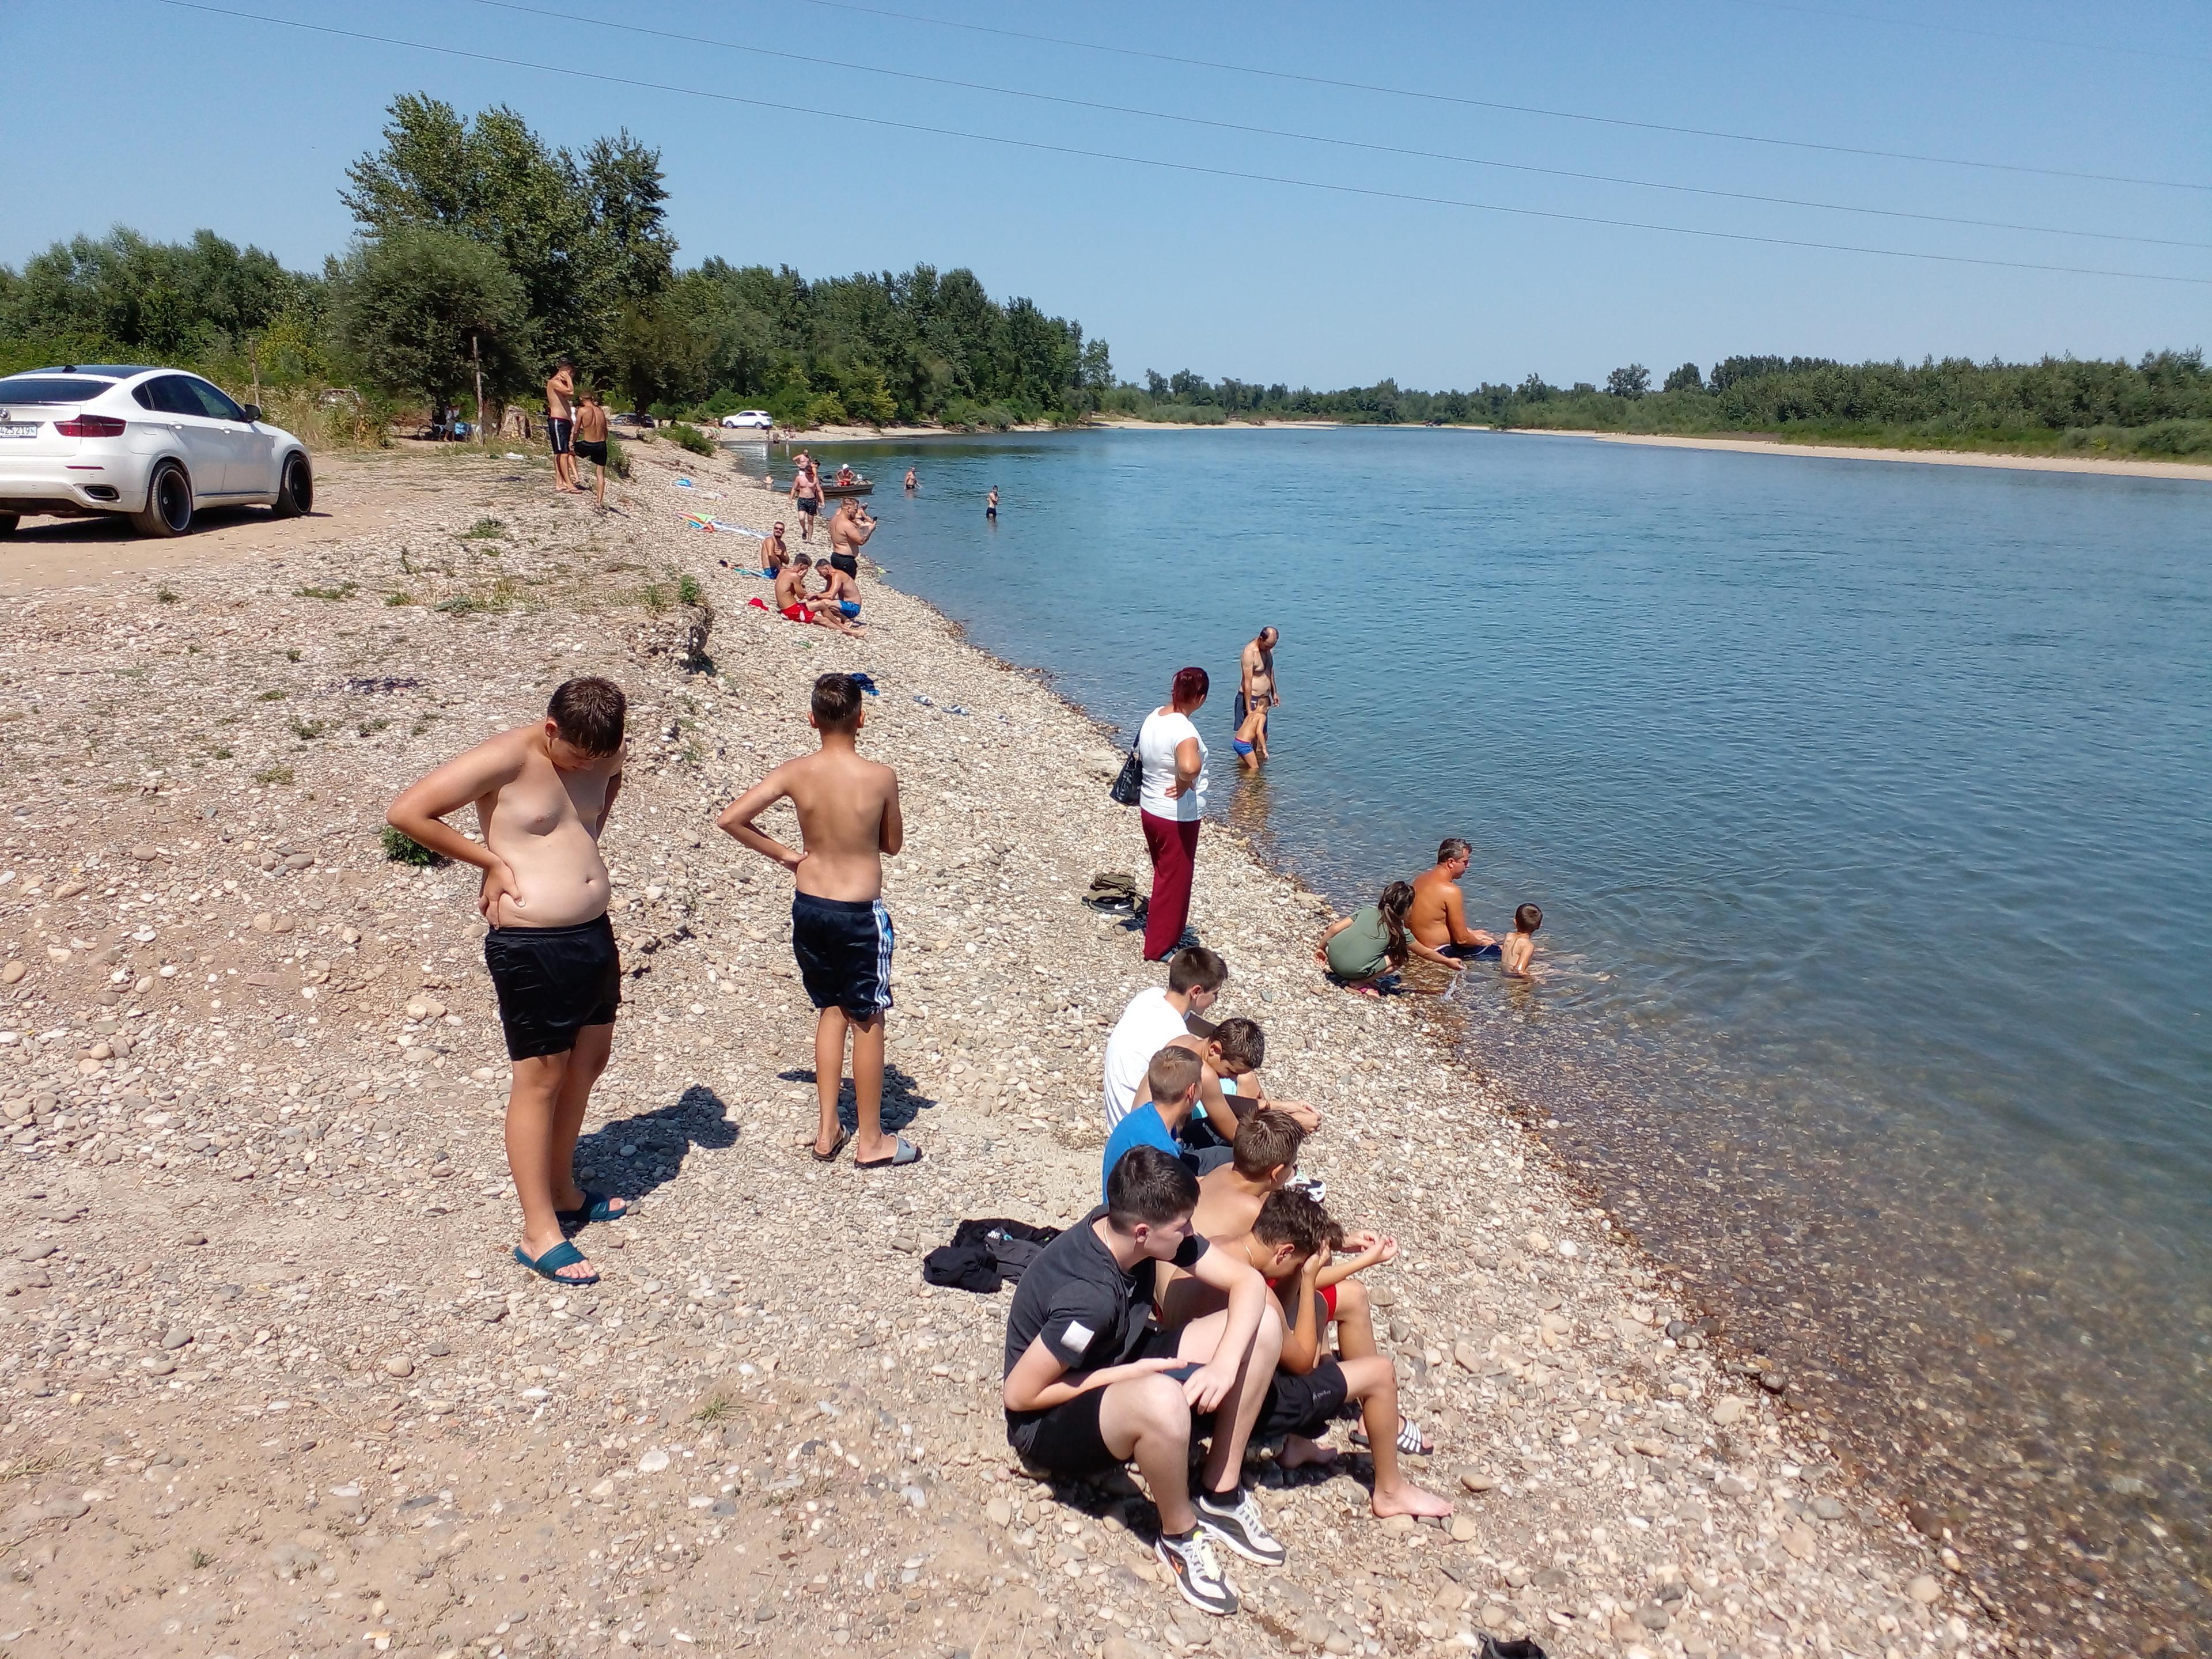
[[137, 112]]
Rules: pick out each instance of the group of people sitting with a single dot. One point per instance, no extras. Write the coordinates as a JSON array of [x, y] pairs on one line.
[[837, 604], [1196, 1301], [1426, 918]]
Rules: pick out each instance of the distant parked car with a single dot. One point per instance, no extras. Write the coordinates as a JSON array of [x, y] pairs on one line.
[[757, 420], [155, 445]]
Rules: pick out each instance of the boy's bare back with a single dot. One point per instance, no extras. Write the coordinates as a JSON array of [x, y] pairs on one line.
[[1513, 955]]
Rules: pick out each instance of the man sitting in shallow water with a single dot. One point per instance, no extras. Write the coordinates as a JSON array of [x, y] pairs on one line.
[[1438, 916]]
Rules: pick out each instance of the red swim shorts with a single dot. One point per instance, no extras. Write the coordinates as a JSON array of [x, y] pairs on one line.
[[798, 613]]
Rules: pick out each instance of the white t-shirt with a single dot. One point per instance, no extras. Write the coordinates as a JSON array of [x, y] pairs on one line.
[[1147, 1025], [1157, 740]]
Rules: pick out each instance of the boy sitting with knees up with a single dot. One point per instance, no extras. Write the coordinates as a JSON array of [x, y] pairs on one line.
[[1090, 1384], [1229, 1087]]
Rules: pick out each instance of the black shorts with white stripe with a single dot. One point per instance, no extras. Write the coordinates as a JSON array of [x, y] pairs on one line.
[[844, 952]]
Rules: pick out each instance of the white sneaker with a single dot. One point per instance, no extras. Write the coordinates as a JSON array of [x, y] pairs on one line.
[[1197, 1574], [1234, 1518]]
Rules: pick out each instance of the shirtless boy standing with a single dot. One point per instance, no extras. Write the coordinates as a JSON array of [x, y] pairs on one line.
[[542, 792], [561, 425], [849, 820], [1438, 916], [590, 443]]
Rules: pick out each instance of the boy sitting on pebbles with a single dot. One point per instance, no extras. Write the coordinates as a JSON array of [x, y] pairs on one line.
[[1090, 1384]]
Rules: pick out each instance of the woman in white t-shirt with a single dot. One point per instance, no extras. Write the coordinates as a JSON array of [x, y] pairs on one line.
[[1171, 804]]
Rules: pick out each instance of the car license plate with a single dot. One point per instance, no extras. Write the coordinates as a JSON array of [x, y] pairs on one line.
[[19, 428]]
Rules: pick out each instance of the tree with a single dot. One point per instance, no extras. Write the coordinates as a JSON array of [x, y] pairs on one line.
[[1633, 381], [1685, 379], [413, 304], [659, 356]]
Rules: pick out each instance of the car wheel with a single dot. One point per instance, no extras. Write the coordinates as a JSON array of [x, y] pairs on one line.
[[168, 509], [296, 493], [8, 522]]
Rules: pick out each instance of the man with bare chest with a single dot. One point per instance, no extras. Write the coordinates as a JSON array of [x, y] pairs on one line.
[[1255, 687], [850, 526], [848, 823], [542, 792]]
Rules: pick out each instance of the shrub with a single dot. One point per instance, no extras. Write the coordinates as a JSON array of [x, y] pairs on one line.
[[688, 591], [617, 459], [403, 848], [690, 437]]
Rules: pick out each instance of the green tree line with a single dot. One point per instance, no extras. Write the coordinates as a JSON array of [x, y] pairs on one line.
[[2161, 405], [483, 251]]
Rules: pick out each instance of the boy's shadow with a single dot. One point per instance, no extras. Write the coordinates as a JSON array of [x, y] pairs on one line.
[[904, 1100], [657, 1143]]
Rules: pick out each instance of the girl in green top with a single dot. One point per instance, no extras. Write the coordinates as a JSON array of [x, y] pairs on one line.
[[1373, 942]]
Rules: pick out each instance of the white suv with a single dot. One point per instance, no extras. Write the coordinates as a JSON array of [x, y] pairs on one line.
[[157, 444], [754, 419]]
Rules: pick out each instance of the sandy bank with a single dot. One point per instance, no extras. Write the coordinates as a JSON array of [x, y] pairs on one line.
[[273, 1385], [2193, 470]]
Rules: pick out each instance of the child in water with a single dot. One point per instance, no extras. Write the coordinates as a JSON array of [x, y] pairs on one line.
[[1520, 945], [1251, 739]]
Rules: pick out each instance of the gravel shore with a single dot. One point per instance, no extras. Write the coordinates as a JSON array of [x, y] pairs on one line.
[[273, 1385]]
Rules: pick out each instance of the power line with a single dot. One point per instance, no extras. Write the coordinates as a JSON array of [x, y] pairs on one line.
[[1321, 138], [1984, 34], [1513, 109], [1199, 168]]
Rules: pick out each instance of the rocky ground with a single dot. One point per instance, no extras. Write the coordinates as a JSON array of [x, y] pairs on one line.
[[273, 1386]]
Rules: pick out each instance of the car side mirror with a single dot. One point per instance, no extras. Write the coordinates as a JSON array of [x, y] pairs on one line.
[[252, 413]]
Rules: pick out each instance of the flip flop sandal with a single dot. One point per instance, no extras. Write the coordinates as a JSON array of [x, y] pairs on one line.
[[831, 1157], [1410, 1440], [547, 1266], [906, 1152], [593, 1208]]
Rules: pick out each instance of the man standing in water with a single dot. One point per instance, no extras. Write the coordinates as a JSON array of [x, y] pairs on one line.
[[561, 425], [1256, 683], [542, 792], [848, 821]]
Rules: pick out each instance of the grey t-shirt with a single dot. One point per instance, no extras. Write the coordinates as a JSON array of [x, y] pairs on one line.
[[1090, 1312]]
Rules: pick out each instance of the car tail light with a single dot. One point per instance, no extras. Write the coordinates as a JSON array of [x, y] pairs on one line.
[[91, 426]]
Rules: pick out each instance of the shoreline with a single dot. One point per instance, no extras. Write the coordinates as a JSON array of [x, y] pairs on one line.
[[744, 1322], [2192, 471]]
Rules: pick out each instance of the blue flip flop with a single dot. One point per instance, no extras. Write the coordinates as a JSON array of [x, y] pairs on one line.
[[563, 1255], [905, 1153], [593, 1208]]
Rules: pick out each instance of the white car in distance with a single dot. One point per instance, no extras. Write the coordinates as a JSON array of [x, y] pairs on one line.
[[155, 445], [754, 419]]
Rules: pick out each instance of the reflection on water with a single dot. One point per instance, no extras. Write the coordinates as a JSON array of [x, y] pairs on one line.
[[1870, 808]]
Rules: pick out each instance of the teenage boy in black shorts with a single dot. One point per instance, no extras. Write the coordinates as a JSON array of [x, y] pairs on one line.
[[1091, 1382], [542, 792], [849, 820]]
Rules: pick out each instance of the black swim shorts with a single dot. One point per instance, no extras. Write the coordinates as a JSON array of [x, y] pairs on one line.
[[844, 952], [593, 450], [552, 982], [1466, 953], [846, 562], [557, 431], [1065, 1438], [1302, 1405], [809, 507]]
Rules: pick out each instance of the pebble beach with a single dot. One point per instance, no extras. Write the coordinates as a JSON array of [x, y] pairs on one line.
[[274, 1386]]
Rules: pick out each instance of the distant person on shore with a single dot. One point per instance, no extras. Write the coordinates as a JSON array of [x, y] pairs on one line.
[[991, 504], [561, 425], [1169, 805], [1256, 686], [543, 794], [1519, 950], [850, 526], [591, 443], [1155, 1017], [1438, 918], [775, 552], [840, 590], [841, 933], [1373, 942], [1092, 1383], [806, 494], [913, 481]]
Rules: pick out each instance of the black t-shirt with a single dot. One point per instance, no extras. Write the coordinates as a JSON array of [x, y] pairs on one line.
[[1075, 1296]]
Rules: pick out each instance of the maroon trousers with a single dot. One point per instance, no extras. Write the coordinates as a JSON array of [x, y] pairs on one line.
[[1174, 844]]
